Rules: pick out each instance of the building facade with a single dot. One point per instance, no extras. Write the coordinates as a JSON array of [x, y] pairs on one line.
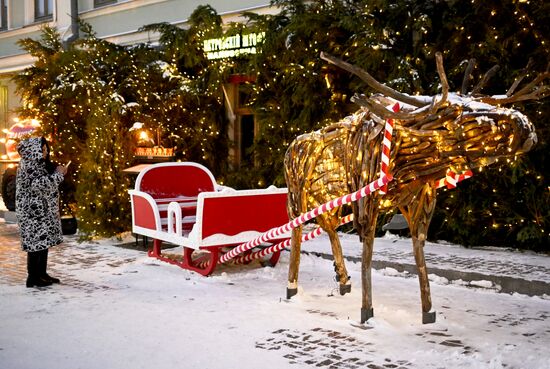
[[116, 21]]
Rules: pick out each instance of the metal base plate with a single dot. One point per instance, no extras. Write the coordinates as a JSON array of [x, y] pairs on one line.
[[428, 318], [366, 314], [345, 288], [291, 292]]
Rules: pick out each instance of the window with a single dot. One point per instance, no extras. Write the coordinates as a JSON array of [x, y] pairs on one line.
[[98, 3], [3, 14], [43, 9]]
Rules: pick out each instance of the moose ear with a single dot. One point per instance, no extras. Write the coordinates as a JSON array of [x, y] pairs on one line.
[[529, 143], [375, 131]]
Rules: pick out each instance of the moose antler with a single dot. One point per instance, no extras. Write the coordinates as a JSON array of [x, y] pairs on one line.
[[534, 90], [520, 78], [486, 77], [444, 83], [388, 91], [467, 76], [379, 109]]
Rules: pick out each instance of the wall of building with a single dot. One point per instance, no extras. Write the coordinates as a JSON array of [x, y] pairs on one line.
[[126, 18], [117, 22]]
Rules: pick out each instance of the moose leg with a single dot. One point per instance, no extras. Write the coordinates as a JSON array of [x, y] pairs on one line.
[[428, 315], [294, 266], [367, 311], [339, 266], [329, 222], [419, 214]]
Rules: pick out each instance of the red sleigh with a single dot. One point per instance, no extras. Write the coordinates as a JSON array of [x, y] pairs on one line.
[[180, 203]]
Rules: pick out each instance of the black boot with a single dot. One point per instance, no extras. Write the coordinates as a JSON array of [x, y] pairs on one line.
[[33, 269], [44, 266]]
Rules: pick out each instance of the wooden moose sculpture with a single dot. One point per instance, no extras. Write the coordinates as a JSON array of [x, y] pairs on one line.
[[432, 135]]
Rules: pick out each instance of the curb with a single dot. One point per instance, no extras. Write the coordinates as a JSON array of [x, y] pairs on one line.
[[9, 216], [503, 284]]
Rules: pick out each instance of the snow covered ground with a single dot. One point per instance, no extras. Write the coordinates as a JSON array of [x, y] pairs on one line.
[[117, 308]]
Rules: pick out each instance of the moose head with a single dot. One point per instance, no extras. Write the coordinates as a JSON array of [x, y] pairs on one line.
[[450, 132]]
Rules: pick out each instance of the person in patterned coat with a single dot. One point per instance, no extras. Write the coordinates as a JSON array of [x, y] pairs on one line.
[[37, 207]]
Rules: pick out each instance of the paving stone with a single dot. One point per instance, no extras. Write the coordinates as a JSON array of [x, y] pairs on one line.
[[64, 261]]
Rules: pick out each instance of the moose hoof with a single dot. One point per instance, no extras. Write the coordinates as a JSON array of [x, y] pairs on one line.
[[345, 288], [428, 318], [291, 292], [366, 314]]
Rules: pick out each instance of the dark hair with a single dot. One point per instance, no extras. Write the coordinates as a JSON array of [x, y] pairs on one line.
[[50, 166]]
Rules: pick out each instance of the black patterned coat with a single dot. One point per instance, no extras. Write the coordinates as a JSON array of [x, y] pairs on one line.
[[37, 199]]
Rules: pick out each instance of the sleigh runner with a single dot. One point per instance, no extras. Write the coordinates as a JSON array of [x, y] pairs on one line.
[[180, 203]]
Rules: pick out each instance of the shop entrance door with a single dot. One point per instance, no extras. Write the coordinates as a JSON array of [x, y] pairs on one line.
[[246, 139], [242, 127]]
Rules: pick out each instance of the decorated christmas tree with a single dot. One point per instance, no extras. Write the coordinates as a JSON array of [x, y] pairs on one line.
[[92, 89], [90, 96], [396, 43]]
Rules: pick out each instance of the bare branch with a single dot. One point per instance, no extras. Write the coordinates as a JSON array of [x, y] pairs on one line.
[[380, 110], [444, 84], [520, 78], [467, 76], [388, 91], [531, 86], [537, 94], [533, 91], [490, 73]]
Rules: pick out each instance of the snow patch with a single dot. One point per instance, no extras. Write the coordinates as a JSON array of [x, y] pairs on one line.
[[110, 296], [482, 284], [459, 282], [437, 279]]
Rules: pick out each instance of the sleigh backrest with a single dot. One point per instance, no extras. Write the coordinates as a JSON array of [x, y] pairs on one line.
[[175, 179]]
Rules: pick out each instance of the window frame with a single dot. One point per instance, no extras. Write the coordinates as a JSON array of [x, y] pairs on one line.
[[3, 15], [100, 3], [48, 13]]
